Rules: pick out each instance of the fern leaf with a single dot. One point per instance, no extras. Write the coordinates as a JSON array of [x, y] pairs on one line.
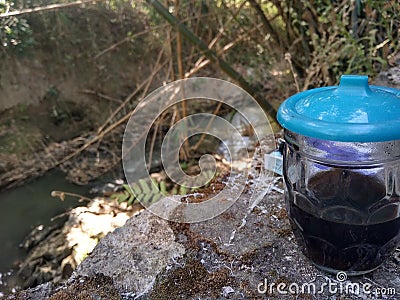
[[163, 187], [132, 198], [183, 190], [145, 186], [120, 197], [174, 191], [156, 197], [136, 189], [139, 197], [154, 186], [147, 198]]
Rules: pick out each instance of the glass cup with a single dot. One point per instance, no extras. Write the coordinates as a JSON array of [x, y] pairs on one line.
[[343, 201]]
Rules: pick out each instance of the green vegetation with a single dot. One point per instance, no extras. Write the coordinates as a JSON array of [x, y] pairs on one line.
[[104, 57], [15, 33], [324, 38], [146, 191], [142, 191]]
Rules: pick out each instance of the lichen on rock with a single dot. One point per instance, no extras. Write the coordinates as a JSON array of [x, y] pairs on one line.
[[134, 254]]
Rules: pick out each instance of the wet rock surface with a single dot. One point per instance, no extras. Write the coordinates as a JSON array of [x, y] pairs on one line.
[[245, 253]]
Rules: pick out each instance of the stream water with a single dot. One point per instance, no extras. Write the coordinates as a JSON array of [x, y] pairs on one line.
[[28, 206]]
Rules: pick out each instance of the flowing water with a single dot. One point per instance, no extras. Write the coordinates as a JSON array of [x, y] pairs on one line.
[[27, 206]]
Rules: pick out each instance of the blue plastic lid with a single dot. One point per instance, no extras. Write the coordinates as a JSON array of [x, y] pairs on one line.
[[350, 112]]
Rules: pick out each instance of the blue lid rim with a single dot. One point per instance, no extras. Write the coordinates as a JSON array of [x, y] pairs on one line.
[[355, 132]]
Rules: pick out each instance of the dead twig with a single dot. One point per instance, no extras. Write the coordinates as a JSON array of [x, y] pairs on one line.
[[100, 95], [288, 58], [213, 56], [127, 99], [201, 63], [153, 141], [267, 25], [46, 8], [131, 37], [222, 30], [124, 40], [194, 148], [202, 59], [62, 195], [185, 146], [101, 133]]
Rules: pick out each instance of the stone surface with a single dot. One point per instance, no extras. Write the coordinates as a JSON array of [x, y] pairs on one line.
[[234, 254], [244, 253], [98, 287], [390, 78], [134, 254], [42, 291]]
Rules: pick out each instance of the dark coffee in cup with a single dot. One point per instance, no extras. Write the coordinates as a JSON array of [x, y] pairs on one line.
[[352, 234]]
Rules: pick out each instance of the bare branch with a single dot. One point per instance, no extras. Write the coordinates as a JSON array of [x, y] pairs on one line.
[[267, 25], [212, 56], [100, 95], [45, 8]]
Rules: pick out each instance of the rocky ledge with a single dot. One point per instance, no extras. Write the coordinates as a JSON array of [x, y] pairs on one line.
[[247, 252]]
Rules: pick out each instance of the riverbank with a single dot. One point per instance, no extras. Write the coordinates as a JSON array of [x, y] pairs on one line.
[[55, 251], [29, 206]]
